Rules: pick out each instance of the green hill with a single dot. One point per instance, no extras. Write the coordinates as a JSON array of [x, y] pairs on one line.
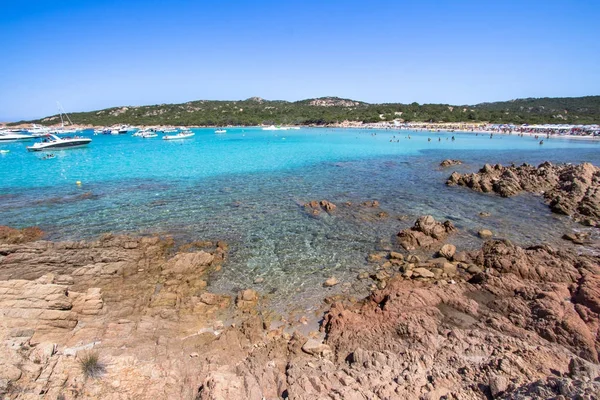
[[326, 110]]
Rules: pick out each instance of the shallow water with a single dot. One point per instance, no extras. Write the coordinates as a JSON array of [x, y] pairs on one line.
[[246, 187]]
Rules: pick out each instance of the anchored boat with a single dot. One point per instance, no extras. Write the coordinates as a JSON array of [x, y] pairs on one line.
[[53, 142], [185, 134], [9, 136]]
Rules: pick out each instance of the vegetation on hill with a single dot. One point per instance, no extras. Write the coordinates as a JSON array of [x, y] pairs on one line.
[[328, 110]]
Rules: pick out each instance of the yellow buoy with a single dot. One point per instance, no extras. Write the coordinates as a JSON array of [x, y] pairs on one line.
[[78, 183]]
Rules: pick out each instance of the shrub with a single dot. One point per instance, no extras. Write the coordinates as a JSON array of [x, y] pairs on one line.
[[90, 364]]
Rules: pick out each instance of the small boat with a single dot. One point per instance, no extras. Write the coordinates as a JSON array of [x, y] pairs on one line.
[[102, 131], [168, 130], [276, 128], [220, 131], [60, 131], [185, 134], [38, 130], [54, 142], [4, 151], [120, 130], [146, 133], [9, 136]]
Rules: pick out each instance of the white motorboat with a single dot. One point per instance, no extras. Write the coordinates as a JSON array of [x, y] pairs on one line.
[[38, 130], [9, 136], [102, 131], [120, 130], [53, 142], [276, 128], [168, 130], [220, 131], [185, 134], [146, 133], [60, 131]]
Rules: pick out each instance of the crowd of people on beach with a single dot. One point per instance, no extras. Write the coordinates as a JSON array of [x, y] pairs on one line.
[[592, 131], [548, 129]]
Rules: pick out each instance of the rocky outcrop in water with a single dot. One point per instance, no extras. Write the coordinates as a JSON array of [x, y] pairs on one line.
[[366, 211], [315, 207], [568, 189], [426, 232], [449, 163]]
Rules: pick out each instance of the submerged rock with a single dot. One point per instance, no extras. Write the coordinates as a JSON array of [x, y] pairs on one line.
[[315, 207], [331, 282], [485, 233]]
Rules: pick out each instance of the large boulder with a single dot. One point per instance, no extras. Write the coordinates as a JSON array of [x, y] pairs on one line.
[[426, 232]]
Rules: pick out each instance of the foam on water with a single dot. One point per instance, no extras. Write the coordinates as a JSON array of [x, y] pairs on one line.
[[245, 187]]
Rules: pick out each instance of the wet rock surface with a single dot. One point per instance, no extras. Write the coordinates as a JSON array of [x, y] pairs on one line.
[[572, 190]]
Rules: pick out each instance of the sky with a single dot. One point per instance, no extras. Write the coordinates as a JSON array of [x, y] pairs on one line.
[[94, 54]]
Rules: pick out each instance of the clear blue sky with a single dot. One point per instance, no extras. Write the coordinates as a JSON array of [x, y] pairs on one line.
[[102, 53]]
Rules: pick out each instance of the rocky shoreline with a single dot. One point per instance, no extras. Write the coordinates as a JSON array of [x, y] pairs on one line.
[[500, 321], [572, 190]]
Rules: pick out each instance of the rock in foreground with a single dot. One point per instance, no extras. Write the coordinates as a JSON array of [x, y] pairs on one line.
[[517, 322], [510, 333]]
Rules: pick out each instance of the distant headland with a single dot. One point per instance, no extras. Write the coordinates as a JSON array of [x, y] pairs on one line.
[[334, 110]]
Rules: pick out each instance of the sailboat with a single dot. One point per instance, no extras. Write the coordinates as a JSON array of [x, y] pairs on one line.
[[62, 130]]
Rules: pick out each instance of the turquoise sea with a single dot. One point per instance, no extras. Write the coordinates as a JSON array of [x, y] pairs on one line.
[[246, 187]]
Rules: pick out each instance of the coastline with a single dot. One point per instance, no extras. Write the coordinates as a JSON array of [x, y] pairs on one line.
[[413, 127]]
